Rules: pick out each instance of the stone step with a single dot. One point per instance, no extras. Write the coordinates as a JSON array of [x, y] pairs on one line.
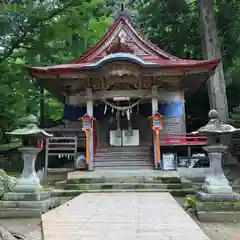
[[73, 193], [225, 217], [137, 179], [43, 205], [60, 184], [96, 186], [20, 213]]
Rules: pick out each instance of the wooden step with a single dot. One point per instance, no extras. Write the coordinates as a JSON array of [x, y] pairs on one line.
[[124, 157], [122, 164], [120, 149], [130, 153], [129, 156], [119, 159]]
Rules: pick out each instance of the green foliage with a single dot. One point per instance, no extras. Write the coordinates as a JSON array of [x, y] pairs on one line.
[[42, 33], [51, 32], [174, 26]]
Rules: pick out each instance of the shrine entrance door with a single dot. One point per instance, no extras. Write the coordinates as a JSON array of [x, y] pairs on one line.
[[122, 132]]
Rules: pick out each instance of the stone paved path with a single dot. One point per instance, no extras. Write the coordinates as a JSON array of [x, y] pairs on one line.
[[118, 216]]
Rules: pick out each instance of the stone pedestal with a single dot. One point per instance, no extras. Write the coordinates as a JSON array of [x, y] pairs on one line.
[[216, 187], [216, 201], [216, 182], [28, 181], [27, 198]]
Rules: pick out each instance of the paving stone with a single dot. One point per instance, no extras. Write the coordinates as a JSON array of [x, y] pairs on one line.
[[127, 216]]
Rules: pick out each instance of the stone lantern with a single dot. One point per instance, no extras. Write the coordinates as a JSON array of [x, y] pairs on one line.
[[28, 198], [31, 135], [216, 187]]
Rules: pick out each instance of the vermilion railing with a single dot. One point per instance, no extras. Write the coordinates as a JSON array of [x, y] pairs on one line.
[[182, 139]]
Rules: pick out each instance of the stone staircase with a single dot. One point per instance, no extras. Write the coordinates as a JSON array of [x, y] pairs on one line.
[[173, 185], [127, 157]]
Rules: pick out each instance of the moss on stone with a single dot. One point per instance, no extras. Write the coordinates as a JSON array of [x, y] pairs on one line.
[[157, 178], [193, 204], [139, 186], [106, 186], [194, 199], [71, 193], [83, 180], [171, 180], [73, 181], [182, 192], [75, 187], [173, 186]]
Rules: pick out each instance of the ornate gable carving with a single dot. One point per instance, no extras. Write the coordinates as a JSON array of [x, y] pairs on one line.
[[119, 45], [127, 44], [125, 38]]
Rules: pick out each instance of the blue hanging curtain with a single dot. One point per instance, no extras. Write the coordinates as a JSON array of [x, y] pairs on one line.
[[98, 111], [171, 109], [73, 113], [145, 109]]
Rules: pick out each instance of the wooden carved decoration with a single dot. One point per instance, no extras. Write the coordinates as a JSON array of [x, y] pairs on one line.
[[119, 47], [121, 69]]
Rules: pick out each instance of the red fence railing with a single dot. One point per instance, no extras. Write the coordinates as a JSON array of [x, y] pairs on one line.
[[182, 139]]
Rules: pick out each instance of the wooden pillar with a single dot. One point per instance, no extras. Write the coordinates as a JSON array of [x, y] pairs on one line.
[[211, 49], [90, 113], [154, 110]]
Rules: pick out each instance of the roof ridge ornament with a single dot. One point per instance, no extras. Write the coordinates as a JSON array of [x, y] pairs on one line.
[[123, 4], [121, 9]]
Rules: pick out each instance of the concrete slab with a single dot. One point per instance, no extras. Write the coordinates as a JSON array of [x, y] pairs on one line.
[[120, 216]]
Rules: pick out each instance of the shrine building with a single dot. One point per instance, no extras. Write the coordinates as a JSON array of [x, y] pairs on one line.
[[121, 82]]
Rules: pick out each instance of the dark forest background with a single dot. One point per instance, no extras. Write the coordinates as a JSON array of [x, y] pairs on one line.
[[49, 32]]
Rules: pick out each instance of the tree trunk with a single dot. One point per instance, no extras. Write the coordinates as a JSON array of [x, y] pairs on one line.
[[211, 50]]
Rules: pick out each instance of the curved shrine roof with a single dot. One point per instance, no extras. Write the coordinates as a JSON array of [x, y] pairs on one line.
[[124, 42]]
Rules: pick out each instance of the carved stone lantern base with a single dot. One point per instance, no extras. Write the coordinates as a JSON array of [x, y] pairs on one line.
[[28, 181], [216, 201], [216, 187], [27, 198]]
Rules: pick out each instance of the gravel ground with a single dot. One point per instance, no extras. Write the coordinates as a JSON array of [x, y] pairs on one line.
[[221, 231], [31, 228]]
